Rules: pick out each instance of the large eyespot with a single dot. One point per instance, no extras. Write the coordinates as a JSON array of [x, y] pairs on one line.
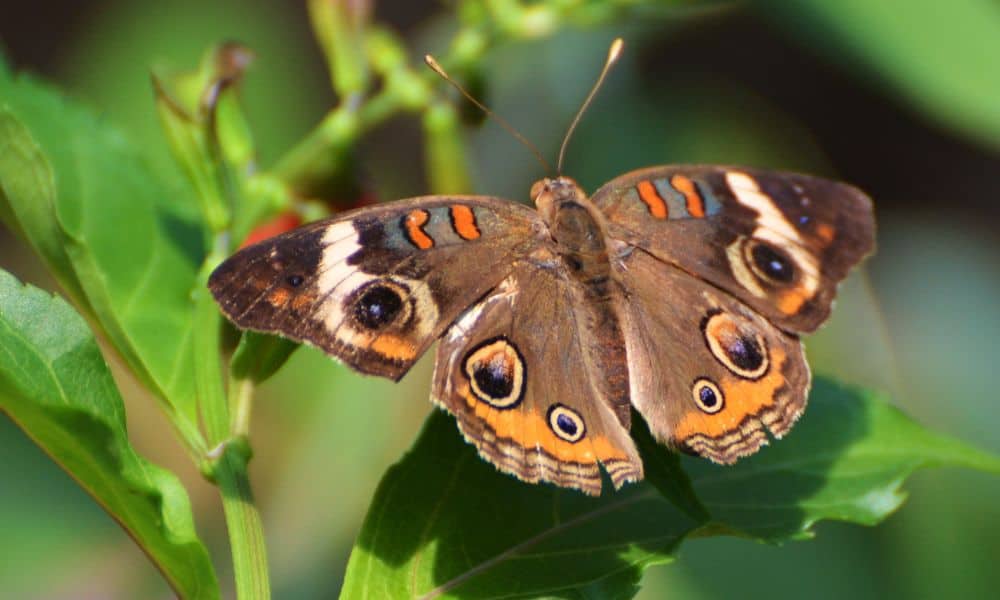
[[566, 423], [769, 263], [707, 396], [736, 345], [379, 303], [496, 373]]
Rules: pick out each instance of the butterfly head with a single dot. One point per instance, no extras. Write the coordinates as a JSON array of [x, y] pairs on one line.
[[549, 193]]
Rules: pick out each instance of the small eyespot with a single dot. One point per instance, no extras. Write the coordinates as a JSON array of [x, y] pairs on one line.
[[295, 280], [769, 263], [566, 423], [707, 396], [379, 304], [736, 344], [496, 373]]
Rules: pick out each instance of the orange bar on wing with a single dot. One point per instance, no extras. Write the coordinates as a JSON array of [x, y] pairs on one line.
[[648, 194], [695, 204], [414, 223], [463, 221]]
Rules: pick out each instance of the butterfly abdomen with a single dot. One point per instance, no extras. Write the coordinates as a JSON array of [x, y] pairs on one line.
[[581, 243]]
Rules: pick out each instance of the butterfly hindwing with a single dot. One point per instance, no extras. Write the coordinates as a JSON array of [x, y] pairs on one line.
[[519, 372], [376, 287], [709, 374], [780, 242]]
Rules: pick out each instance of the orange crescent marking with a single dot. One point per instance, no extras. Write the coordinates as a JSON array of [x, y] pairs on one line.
[[791, 301], [648, 194], [393, 347], [279, 297], [695, 204], [825, 232], [463, 221], [528, 430], [414, 223], [742, 397], [302, 301]]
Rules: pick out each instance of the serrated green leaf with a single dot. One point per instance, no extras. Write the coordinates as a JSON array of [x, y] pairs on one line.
[[445, 523], [942, 58], [131, 242], [55, 385]]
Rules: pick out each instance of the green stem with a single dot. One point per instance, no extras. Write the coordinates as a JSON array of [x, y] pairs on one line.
[[246, 531], [240, 403], [231, 455]]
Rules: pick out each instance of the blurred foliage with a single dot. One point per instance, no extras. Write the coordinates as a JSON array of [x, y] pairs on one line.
[[324, 437]]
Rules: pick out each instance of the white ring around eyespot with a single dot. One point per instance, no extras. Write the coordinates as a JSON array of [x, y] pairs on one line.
[[696, 394], [400, 290], [483, 351], [748, 247], [722, 319], [338, 280], [772, 226], [558, 410]]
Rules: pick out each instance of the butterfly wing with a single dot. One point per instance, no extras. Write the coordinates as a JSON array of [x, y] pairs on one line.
[[709, 374], [521, 372], [780, 242], [376, 287]]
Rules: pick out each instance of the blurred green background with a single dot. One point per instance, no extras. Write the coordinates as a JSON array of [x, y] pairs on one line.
[[899, 98]]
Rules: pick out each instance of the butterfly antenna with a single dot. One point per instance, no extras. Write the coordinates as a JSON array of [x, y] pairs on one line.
[[613, 53], [437, 68]]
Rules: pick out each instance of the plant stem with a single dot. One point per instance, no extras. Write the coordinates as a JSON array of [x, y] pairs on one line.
[[229, 459], [246, 532], [240, 403]]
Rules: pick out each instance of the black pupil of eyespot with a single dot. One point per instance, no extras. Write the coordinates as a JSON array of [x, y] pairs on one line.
[[494, 377], [295, 280], [745, 353], [772, 264], [707, 395], [378, 307], [566, 424]]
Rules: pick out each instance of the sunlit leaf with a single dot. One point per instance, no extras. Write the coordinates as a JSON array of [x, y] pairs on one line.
[[107, 227], [55, 385], [445, 523]]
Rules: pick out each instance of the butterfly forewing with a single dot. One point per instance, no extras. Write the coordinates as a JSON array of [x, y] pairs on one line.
[[376, 287], [780, 242]]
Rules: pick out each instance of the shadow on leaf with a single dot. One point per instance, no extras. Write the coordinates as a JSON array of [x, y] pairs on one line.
[[445, 522]]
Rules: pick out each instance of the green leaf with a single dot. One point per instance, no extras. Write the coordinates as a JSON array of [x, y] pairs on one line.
[[28, 196], [110, 229], [259, 356], [55, 385], [955, 79], [443, 522]]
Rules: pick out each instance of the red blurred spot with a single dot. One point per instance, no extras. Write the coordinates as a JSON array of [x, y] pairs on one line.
[[284, 222]]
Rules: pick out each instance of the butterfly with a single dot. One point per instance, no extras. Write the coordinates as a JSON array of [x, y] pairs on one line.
[[676, 291]]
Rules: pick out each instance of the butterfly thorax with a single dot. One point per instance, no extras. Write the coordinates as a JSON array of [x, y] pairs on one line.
[[576, 227]]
